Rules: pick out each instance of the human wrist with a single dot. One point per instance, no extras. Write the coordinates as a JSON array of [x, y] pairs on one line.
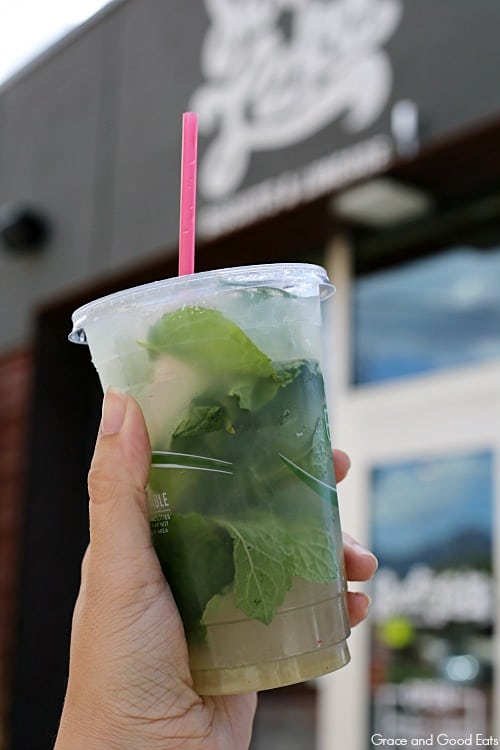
[[80, 732], [85, 727], [88, 730]]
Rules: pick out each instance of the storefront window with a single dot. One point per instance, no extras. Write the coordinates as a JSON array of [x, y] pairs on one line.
[[434, 599], [438, 312]]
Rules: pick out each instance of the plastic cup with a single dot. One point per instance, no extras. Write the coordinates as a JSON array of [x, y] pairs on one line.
[[227, 367]]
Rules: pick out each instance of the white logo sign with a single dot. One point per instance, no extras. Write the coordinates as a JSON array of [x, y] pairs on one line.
[[277, 71]]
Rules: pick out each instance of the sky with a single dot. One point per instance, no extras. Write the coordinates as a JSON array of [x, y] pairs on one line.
[[28, 27]]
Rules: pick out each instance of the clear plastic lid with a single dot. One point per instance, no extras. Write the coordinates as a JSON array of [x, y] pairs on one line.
[[298, 279]]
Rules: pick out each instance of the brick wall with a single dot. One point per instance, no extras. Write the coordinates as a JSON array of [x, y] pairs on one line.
[[15, 380]]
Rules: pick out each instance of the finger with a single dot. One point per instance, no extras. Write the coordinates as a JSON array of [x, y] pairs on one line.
[[360, 563], [341, 463], [358, 605], [121, 574], [119, 524]]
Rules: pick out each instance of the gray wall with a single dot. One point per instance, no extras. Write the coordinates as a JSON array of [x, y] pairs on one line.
[[90, 133]]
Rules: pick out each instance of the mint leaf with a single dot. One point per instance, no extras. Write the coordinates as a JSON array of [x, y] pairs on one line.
[[254, 394], [313, 554], [196, 556], [207, 339], [262, 565], [201, 419], [287, 372], [286, 424]]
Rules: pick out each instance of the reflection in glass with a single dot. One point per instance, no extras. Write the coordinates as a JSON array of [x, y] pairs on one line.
[[438, 312], [434, 597]]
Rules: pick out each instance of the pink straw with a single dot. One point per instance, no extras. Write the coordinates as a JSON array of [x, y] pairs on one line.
[[188, 193]]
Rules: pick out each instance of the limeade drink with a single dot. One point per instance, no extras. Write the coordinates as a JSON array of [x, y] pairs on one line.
[[227, 367]]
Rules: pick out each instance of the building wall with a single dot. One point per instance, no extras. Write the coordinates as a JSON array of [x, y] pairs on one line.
[[15, 383], [90, 133], [86, 137]]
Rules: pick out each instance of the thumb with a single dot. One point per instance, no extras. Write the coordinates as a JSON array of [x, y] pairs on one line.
[[119, 524]]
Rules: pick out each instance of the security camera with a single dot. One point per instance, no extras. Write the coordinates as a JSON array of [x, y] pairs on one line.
[[22, 228]]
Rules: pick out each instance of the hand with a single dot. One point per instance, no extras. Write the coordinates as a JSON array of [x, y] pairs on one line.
[[129, 681]]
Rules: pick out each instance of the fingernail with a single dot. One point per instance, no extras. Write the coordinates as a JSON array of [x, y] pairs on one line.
[[366, 553], [113, 411], [365, 598], [368, 602], [359, 548]]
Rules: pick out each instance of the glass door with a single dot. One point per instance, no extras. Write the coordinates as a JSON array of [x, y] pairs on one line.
[[423, 430], [431, 652]]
